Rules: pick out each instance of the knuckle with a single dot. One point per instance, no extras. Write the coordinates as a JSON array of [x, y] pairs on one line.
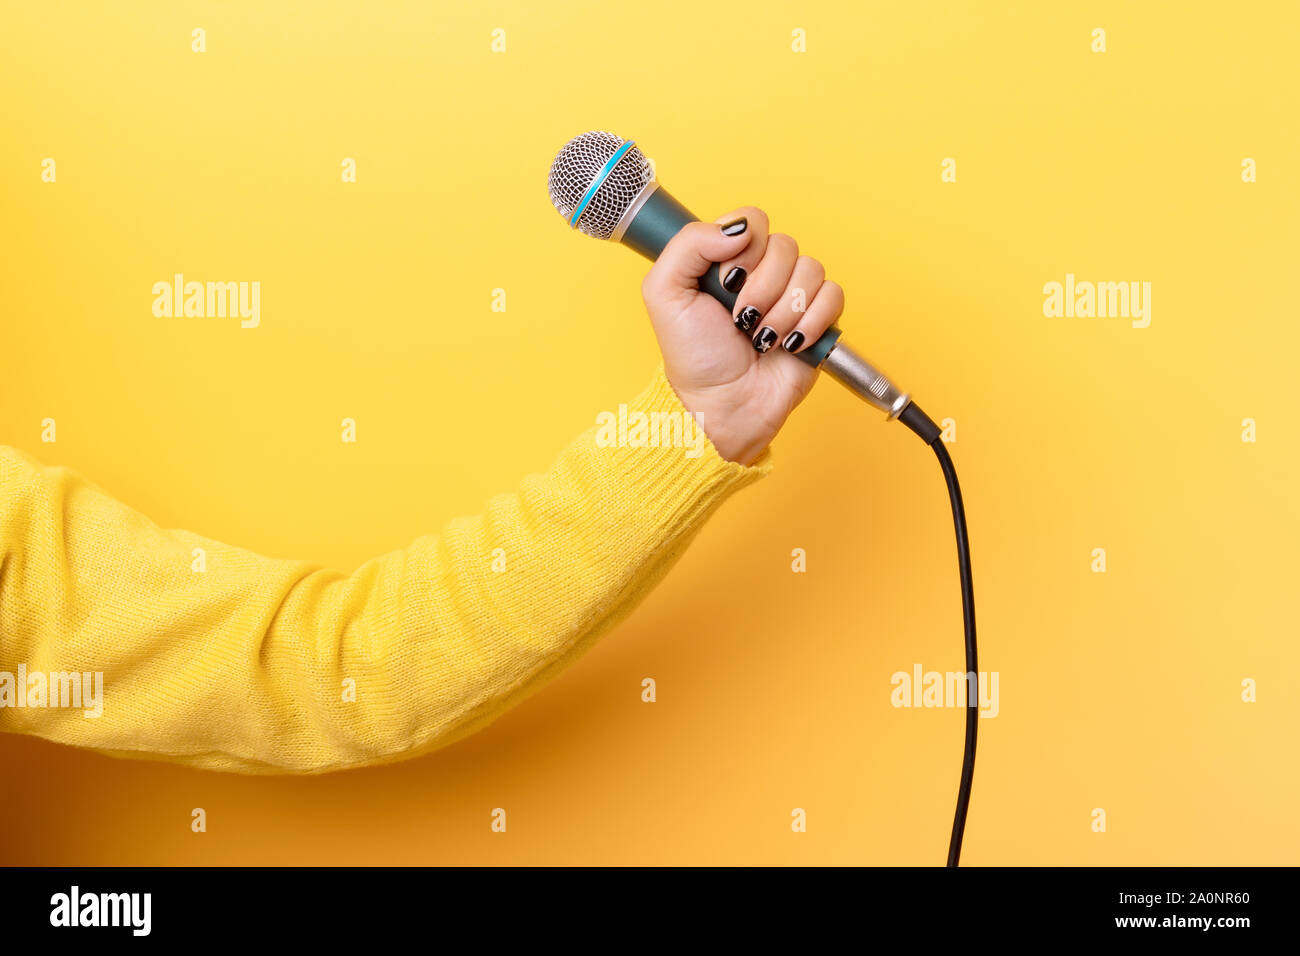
[[783, 244], [833, 293], [812, 266], [757, 218], [688, 238]]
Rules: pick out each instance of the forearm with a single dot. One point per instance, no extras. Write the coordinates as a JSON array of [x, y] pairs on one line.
[[263, 665]]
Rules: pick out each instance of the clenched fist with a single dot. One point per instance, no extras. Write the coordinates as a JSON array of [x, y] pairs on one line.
[[737, 372]]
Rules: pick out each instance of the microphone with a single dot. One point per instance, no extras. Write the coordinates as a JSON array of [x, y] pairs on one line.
[[605, 187]]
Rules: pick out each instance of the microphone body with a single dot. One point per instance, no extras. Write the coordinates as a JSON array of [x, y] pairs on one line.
[[655, 217]]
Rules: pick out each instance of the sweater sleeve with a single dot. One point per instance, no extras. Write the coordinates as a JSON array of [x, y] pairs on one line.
[[227, 660]]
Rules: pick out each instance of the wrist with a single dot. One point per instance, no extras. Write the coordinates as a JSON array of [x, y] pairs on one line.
[[733, 434]]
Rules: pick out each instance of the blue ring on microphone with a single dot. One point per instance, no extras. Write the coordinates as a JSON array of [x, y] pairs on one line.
[[600, 179]]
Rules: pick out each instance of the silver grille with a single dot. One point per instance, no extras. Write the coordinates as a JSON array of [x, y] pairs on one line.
[[576, 167]]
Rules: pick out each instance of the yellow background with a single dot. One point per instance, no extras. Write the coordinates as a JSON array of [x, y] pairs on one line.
[[1118, 690]]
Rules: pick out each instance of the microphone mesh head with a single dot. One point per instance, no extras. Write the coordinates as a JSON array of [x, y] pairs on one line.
[[575, 169]]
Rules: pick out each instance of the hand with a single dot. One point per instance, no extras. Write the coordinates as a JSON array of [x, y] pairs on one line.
[[720, 365]]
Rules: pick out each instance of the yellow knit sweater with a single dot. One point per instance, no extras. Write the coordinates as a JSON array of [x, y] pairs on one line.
[[261, 665]]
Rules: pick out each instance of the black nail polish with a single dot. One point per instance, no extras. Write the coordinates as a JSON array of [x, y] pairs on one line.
[[765, 338], [748, 318], [734, 279], [735, 227], [793, 341]]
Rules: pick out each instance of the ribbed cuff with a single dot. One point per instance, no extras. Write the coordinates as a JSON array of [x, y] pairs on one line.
[[670, 470]]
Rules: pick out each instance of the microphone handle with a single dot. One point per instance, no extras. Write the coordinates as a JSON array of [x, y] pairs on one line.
[[655, 217]]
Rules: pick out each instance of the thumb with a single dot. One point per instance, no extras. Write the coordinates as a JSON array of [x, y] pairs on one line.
[[691, 253]]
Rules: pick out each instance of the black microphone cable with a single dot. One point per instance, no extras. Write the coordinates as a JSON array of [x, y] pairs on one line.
[[930, 433]]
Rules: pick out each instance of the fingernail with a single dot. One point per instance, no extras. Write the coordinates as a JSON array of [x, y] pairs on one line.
[[735, 227], [765, 338], [734, 279], [747, 318], [793, 341]]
